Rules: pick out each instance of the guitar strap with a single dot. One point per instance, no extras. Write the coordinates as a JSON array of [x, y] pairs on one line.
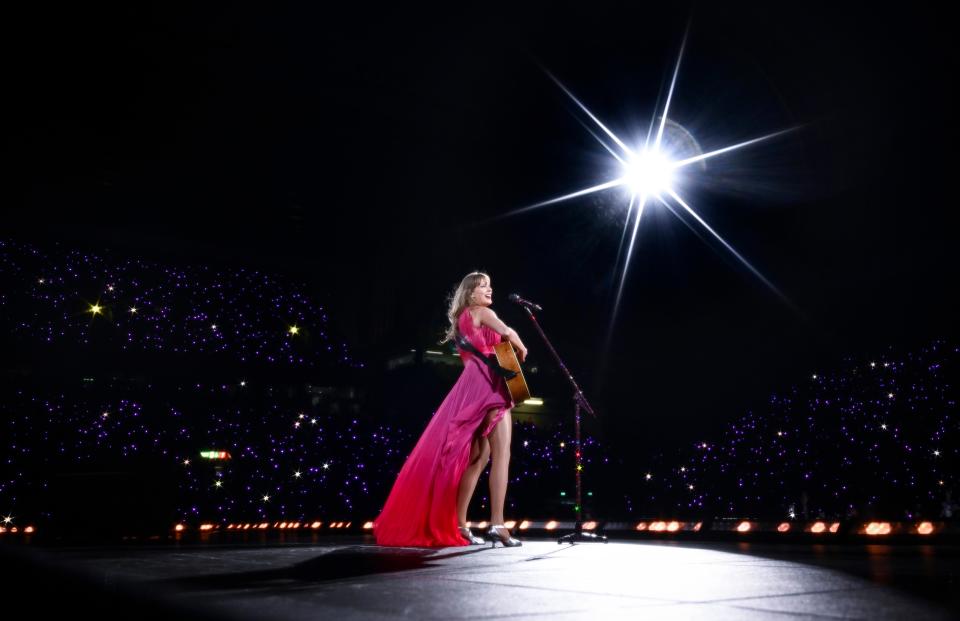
[[491, 360]]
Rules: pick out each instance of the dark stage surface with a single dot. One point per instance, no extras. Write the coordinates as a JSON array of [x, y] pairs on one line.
[[350, 578]]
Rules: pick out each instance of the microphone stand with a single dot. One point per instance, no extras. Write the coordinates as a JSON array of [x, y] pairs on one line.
[[579, 403]]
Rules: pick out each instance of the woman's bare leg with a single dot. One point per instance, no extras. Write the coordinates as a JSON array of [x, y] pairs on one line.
[[500, 454], [479, 456]]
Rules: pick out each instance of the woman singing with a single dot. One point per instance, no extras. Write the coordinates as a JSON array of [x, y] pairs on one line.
[[428, 503]]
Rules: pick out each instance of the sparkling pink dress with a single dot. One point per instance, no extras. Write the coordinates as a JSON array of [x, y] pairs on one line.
[[421, 509]]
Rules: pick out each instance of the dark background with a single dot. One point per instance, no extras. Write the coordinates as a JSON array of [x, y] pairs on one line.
[[368, 153]]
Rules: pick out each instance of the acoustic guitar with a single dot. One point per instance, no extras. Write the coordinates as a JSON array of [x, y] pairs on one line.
[[517, 385]]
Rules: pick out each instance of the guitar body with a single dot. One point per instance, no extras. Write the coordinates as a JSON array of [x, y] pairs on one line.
[[507, 358]]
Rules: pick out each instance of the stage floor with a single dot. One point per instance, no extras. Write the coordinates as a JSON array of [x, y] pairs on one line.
[[350, 578]]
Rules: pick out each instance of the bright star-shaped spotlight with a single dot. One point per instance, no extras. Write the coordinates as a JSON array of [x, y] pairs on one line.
[[265, 498], [133, 310], [294, 330], [8, 519], [650, 172], [296, 475], [218, 484], [96, 309]]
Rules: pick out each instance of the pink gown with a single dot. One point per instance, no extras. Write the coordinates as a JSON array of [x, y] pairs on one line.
[[421, 509]]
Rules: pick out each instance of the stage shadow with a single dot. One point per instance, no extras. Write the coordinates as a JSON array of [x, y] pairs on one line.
[[339, 564]]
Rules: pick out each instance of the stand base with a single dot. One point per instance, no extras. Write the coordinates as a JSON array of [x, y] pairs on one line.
[[581, 536]]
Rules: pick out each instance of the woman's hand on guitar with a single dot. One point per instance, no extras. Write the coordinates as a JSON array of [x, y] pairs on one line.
[[518, 345], [523, 353]]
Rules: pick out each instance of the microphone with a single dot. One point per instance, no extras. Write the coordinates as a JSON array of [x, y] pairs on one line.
[[516, 299]]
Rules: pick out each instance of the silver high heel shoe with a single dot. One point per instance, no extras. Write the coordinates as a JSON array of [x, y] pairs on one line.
[[467, 534], [497, 532]]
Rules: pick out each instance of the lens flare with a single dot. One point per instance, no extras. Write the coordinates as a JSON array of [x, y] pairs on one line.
[[651, 174]]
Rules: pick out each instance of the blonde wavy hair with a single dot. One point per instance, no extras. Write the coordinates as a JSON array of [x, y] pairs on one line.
[[458, 300]]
